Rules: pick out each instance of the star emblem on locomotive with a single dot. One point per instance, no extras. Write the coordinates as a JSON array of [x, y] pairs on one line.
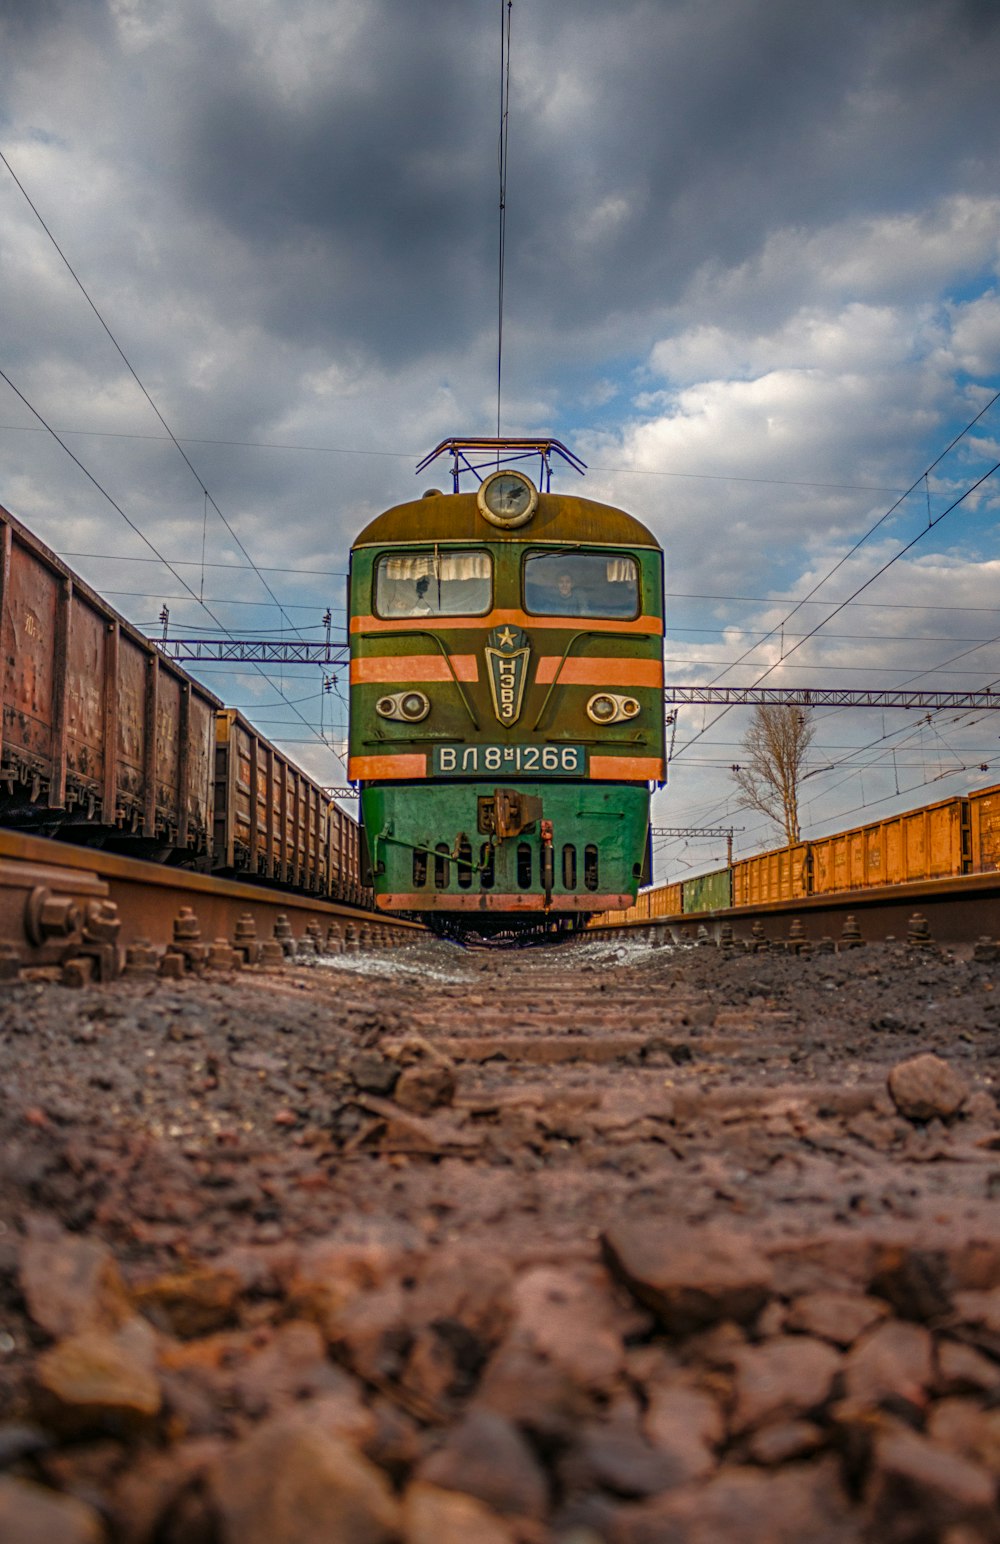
[[507, 655]]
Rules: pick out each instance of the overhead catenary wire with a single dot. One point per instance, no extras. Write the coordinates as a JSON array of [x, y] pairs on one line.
[[411, 455], [923, 478], [506, 8], [967, 492], [134, 374], [152, 547]]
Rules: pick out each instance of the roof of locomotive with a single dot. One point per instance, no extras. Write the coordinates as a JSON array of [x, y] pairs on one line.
[[560, 517]]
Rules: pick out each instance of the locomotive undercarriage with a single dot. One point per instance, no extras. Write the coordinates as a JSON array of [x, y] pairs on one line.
[[477, 853]]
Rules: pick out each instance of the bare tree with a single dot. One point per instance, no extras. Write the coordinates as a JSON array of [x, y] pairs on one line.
[[774, 753]]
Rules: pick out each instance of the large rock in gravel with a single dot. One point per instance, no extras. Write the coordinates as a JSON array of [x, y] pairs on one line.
[[293, 1482], [927, 1086], [568, 1315], [896, 1360], [802, 1503], [782, 1379], [71, 1284], [837, 1316], [98, 1382], [31, 1515], [447, 1517], [965, 1427], [916, 1490], [689, 1277], [615, 1456], [486, 1457], [190, 1303], [684, 1422]]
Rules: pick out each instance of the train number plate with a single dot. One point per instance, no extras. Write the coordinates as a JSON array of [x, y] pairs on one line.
[[510, 760]]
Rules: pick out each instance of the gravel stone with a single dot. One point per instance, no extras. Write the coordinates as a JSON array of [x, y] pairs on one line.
[[294, 1482], [689, 1278], [96, 1382], [434, 1516], [916, 1490], [668, 1242], [895, 1359], [30, 1514], [782, 1379], [927, 1086]]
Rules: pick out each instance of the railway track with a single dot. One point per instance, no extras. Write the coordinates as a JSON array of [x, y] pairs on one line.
[[602, 1244], [88, 915], [957, 910]]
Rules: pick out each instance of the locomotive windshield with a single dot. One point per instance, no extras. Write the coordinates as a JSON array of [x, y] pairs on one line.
[[433, 584], [581, 584]]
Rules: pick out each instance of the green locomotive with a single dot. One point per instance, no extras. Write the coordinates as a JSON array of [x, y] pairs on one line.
[[506, 697]]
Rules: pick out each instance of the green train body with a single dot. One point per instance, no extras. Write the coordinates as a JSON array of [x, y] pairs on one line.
[[506, 704]]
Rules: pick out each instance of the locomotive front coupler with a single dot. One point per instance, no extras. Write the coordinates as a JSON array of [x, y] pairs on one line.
[[548, 861]]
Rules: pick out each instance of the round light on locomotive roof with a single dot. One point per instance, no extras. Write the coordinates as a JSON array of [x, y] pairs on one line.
[[602, 709], [630, 707], [507, 499], [385, 706]]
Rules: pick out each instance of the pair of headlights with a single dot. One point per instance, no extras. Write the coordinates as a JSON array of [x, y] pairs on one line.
[[413, 707], [610, 708]]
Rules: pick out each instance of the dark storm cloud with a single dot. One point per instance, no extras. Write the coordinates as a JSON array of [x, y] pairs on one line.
[[689, 132], [22, 21], [354, 198]]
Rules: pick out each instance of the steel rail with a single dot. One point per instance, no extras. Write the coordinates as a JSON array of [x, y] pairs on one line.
[[960, 909], [91, 913]]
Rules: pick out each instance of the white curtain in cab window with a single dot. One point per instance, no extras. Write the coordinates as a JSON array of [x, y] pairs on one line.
[[445, 566], [621, 570]]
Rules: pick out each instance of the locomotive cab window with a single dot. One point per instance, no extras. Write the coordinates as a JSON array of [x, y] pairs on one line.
[[581, 584], [433, 584]]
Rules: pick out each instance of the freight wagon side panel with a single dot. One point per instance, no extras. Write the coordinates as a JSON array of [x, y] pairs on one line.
[[89, 651], [914, 845], [822, 866], [873, 866], [945, 844], [932, 841], [985, 822], [171, 713], [335, 859], [781, 875], [263, 816], [665, 900], [130, 743], [708, 892], [197, 800], [31, 594]]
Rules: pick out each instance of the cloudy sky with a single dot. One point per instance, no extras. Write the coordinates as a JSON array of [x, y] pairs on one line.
[[752, 269]]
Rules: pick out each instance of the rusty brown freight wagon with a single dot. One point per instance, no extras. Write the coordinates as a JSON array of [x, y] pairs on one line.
[[273, 822], [101, 737], [270, 818], [344, 863]]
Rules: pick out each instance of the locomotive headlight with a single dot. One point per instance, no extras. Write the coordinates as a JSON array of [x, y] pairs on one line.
[[609, 708], [411, 707], [602, 709], [414, 706]]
